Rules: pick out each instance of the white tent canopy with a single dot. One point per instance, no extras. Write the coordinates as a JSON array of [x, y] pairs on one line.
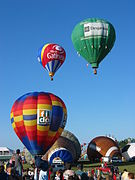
[[5, 151]]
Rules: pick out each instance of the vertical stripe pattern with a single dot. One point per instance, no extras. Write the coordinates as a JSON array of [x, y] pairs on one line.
[[51, 57], [38, 119]]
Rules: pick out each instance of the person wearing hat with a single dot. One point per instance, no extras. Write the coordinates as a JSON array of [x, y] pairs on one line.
[[68, 172]]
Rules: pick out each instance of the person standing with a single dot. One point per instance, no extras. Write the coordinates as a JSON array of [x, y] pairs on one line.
[[43, 175], [18, 163], [79, 171], [124, 174], [41, 170]]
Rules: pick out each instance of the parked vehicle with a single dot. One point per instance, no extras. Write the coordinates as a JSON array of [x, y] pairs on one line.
[[132, 159], [116, 159], [106, 159], [57, 167]]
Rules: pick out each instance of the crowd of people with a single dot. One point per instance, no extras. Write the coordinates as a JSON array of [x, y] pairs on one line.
[[13, 170]]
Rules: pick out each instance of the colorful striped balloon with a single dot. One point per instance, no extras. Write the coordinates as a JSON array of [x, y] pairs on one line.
[[51, 57], [38, 119]]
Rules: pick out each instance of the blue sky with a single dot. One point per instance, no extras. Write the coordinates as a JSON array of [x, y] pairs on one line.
[[96, 105]]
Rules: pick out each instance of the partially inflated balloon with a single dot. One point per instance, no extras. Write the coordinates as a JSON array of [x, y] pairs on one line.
[[38, 119], [51, 57], [102, 146], [93, 39], [66, 149]]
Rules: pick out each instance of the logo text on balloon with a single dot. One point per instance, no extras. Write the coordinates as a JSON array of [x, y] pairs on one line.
[[44, 117]]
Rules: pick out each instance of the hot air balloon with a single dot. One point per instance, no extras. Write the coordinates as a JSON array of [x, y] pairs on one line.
[[66, 149], [102, 146], [51, 57], [84, 151], [38, 119], [128, 151], [93, 39]]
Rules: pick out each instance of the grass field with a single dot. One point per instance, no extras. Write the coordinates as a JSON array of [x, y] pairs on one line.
[[130, 166]]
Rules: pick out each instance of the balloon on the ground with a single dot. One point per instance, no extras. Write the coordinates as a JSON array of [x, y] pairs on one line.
[[66, 149], [128, 151], [93, 39], [84, 151], [102, 146], [38, 119], [75, 140], [51, 57]]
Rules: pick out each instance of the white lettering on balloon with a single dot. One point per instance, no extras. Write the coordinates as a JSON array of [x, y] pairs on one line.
[[57, 52], [55, 56]]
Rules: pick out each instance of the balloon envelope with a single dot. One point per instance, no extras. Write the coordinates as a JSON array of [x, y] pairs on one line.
[[93, 39], [51, 57], [102, 146], [62, 154], [38, 119], [66, 149], [68, 135]]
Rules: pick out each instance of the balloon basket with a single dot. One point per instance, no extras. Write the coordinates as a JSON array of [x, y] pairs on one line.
[[95, 71]]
